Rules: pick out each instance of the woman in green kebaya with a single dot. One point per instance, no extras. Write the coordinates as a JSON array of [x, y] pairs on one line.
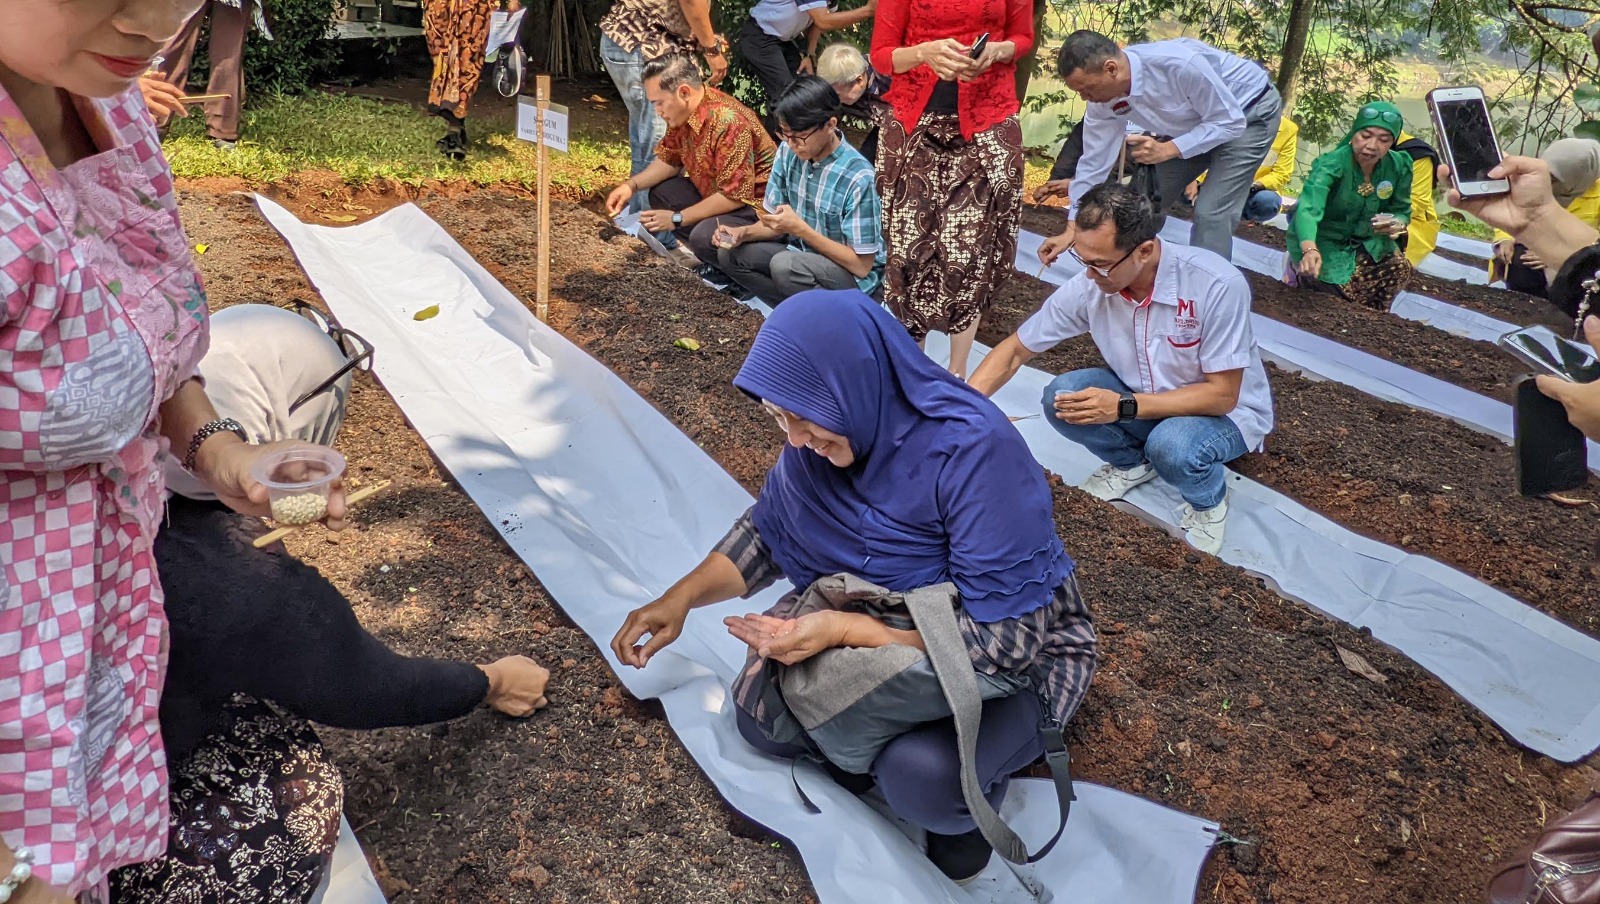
[[1356, 201]]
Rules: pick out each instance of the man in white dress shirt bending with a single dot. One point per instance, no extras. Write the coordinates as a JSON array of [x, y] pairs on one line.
[[1200, 109], [1183, 392]]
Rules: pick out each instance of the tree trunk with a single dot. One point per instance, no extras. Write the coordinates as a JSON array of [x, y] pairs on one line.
[[1029, 60], [1294, 49]]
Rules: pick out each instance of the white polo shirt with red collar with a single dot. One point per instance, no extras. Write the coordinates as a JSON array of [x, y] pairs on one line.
[[1195, 322]]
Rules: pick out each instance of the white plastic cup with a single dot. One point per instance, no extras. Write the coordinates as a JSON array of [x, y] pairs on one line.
[[298, 482]]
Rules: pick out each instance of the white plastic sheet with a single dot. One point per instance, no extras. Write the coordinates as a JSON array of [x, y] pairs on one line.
[[1516, 664], [609, 503], [1531, 674], [348, 880]]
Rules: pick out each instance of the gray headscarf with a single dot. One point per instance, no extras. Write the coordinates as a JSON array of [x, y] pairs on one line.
[[1574, 167], [261, 359]]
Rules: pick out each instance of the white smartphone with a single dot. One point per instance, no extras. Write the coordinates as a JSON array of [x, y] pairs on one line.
[[1466, 139], [1541, 348]]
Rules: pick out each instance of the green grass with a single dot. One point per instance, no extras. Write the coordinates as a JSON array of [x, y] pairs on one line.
[[365, 140]]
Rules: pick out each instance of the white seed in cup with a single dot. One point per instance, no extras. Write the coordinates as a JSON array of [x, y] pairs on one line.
[[302, 508]]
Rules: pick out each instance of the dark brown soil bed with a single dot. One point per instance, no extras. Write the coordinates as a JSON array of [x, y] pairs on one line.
[[1408, 478], [1215, 695], [1512, 307]]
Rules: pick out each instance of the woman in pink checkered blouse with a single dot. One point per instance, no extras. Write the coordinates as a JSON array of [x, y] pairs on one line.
[[102, 325]]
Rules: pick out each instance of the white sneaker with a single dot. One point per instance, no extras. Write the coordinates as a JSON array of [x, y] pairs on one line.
[[1110, 482], [1205, 528]]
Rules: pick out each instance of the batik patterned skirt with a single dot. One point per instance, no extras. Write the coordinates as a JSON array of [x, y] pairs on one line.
[[255, 816], [951, 209], [456, 31]]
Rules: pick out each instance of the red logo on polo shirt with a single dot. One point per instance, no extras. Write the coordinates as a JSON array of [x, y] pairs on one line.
[[1185, 326], [1121, 107]]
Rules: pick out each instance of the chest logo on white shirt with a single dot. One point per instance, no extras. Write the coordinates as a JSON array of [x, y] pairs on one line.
[[1121, 107], [1185, 326]]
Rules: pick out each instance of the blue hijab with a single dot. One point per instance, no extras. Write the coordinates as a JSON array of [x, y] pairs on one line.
[[943, 488]]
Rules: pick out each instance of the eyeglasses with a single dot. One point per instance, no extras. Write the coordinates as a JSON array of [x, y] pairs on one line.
[[1388, 116], [798, 137], [356, 350], [1103, 271]]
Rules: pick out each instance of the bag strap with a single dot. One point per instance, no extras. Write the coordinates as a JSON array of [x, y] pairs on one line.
[[935, 618]]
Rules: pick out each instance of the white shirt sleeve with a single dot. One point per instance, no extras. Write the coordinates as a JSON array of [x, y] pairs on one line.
[[1065, 315], [1226, 339], [1103, 137], [1221, 117]]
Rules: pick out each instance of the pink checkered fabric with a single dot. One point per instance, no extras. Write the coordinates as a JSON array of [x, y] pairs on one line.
[[102, 316]]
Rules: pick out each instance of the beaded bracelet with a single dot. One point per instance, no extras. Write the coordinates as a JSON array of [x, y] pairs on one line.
[[21, 872]]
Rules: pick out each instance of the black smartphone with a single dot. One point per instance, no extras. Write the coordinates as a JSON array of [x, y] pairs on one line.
[[1551, 454], [1541, 348], [978, 45], [1466, 139]]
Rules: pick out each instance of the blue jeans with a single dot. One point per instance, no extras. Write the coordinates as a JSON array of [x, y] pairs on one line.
[[1263, 205], [1188, 452], [645, 128]]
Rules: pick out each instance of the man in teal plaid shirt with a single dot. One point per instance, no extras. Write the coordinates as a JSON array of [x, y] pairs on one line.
[[821, 227]]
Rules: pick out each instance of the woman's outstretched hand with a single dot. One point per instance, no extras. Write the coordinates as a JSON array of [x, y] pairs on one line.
[[662, 620]]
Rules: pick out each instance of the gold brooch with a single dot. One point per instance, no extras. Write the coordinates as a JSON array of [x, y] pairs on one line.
[[1364, 189]]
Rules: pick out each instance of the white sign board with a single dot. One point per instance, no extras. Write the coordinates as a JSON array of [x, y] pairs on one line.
[[555, 123]]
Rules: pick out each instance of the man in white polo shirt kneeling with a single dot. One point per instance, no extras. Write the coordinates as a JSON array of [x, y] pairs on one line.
[[1185, 392]]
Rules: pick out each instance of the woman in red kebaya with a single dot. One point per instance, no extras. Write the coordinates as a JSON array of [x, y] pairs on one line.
[[950, 160]]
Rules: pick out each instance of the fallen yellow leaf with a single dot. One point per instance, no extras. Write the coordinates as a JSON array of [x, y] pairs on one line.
[[339, 217], [687, 344], [427, 313], [201, 249]]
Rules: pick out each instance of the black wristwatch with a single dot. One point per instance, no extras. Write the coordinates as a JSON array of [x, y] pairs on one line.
[[1127, 407], [677, 219]]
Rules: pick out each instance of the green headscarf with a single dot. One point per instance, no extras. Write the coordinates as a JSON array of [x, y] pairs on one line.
[[1379, 114]]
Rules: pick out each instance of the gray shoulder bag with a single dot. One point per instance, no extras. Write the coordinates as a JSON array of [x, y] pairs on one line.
[[849, 702]]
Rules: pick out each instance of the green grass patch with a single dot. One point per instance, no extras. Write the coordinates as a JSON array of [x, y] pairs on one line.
[[365, 140]]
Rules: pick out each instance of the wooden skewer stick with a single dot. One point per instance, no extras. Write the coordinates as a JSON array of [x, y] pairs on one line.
[[199, 98], [360, 495]]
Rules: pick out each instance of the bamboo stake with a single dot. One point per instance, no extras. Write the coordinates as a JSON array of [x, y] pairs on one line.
[[360, 495], [542, 299]]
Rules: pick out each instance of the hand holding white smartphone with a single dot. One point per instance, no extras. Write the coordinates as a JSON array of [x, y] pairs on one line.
[[1466, 140]]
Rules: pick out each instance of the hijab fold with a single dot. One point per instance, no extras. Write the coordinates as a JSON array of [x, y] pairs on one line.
[[943, 487], [1574, 167]]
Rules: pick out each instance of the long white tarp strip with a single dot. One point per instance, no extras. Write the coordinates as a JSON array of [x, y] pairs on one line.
[[1530, 673], [1294, 349], [348, 879], [609, 503], [1497, 652]]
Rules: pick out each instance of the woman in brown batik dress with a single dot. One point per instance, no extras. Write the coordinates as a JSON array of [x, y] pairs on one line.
[[950, 160], [457, 32]]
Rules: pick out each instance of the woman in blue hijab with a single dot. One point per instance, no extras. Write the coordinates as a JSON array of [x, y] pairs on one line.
[[900, 474]]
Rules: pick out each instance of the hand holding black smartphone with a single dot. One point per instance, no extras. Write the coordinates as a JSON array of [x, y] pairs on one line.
[[1551, 454], [979, 45]]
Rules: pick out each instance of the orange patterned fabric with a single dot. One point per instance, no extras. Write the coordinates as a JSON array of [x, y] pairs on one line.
[[722, 148], [457, 32]]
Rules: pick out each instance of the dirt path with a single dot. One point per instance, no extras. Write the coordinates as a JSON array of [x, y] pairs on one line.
[[1216, 696]]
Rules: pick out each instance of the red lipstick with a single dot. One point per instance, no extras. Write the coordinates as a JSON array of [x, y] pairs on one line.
[[124, 67]]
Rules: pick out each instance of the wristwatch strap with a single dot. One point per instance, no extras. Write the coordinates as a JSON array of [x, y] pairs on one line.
[[220, 425]]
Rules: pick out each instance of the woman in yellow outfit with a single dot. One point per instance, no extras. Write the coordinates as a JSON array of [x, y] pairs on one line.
[[1266, 194], [1575, 177], [1422, 236]]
